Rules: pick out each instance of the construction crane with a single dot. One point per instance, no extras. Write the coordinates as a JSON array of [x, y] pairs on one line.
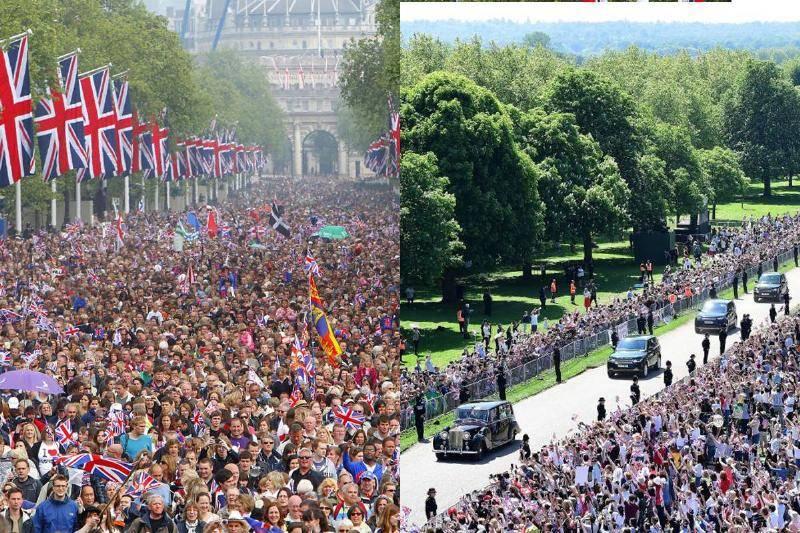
[[221, 24]]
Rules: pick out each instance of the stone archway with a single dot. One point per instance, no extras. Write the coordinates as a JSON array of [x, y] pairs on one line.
[[320, 152]]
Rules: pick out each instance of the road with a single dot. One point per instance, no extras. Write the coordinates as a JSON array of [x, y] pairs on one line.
[[557, 411]]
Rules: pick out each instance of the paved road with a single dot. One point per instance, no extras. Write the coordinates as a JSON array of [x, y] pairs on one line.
[[558, 410]]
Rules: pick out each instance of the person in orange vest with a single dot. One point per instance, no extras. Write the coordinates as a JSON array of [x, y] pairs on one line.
[[461, 323], [572, 292], [553, 290], [650, 270]]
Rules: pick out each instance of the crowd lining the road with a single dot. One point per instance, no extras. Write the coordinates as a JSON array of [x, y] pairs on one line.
[[731, 250]]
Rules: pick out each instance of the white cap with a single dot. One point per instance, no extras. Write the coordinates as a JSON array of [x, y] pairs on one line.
[[13, 403]]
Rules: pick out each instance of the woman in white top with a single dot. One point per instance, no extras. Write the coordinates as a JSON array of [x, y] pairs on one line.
[[46, 453]]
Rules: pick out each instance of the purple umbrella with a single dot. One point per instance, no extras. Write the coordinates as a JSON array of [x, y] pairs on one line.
[[28, 380]]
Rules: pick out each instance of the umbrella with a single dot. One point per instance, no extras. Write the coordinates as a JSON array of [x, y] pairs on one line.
[[28, 380], [332, 232]]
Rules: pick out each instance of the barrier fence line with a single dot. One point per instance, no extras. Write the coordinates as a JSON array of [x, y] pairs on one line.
[[444, 403]]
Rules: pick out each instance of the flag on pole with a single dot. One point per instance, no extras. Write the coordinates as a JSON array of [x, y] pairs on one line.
[[59, 123], [276, 221], [349, 418], [106, 468], [326, 337], [99, 124], [65, 436], [124, 127], [310, 265], [16, 119]]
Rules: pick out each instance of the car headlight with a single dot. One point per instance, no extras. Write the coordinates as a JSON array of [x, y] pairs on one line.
[[443, 435], [467, 435]]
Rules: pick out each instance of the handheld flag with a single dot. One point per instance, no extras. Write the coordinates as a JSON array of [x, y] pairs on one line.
[[326, 337]]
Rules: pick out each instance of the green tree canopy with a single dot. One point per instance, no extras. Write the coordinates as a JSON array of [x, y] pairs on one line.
[[758, 114], [494, 183], [428, 230], [581, 188], [725, 176]]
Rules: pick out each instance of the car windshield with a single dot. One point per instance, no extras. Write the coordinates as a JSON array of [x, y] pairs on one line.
[[771, 279], [717, 308], [480, 414], [632, 344]]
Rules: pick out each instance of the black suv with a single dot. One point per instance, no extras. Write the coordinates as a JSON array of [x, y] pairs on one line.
[[771, 286], [635, 355], [715, 316]]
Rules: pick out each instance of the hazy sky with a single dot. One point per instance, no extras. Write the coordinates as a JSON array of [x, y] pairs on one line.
[[736, 11]]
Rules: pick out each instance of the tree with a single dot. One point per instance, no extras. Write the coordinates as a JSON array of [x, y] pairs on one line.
[[756, 119], [602, 110], [494, 183], [428, 231], [673, 145], [725, 176], [536, 38], [422, 55], [581, 188], [370, 70]]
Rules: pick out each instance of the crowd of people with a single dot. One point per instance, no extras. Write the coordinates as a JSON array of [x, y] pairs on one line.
[[731, 252], [716, 451], [201, 368]]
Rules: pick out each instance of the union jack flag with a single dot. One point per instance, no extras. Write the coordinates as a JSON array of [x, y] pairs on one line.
[[310, 265], [302, 363], [377, 157], [123, 118], [59, 123], [71, 331], [65, 436], [107, 468], [5, 358], [258, 232], [35, 309], [116, 423], [348, 418], [198, 422], [9, 315], [176, 168], [141, 483], [394, 141], [297, 394], [16, 120], [159, 145], [141, 155], [99, 124]]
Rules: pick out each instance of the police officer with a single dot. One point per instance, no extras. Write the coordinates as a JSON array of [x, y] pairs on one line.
[[501, 382], [786, 303], [736, 283], [706, 347], [601, 409], [744, 280], [773, 314], [430, 504], [668, 374], [614, 339], [691, 364], [723, 336], [557, 363], [419, 417], [636, 393]]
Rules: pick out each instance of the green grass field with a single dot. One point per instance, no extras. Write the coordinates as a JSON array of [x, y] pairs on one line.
[[615, 271]]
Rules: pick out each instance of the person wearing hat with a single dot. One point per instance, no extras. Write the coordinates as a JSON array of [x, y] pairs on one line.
[[236, 523], [691, 364], [368, 484], [601, 409], [668, 374], [88, 519], [525, 449], [431, 509]]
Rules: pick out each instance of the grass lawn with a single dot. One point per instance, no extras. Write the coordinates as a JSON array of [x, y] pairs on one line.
[[615, 272], [784, 200]]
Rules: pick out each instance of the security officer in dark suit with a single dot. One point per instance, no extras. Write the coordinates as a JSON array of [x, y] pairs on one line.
[[430, 504], [501, 382], [557, 363], [419, 417]]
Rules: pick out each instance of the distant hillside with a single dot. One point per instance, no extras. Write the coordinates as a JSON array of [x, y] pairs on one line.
[[587, 39]]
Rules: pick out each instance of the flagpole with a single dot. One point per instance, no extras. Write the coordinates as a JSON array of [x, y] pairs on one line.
[[127, 194], [167, 196], [74, 52], [94, 70], [18, 206], [157, 205], [15, 37], [53, 204], [77, 199], [120, 491]]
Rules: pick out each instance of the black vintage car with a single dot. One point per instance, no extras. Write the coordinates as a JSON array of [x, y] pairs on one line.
[[770, 286], [479, 427], [715, 316], [636, 354]]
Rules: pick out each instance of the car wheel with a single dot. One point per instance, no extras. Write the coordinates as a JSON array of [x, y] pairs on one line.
[[610, 374], [645, 369], [440, 457], [481, 451]]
